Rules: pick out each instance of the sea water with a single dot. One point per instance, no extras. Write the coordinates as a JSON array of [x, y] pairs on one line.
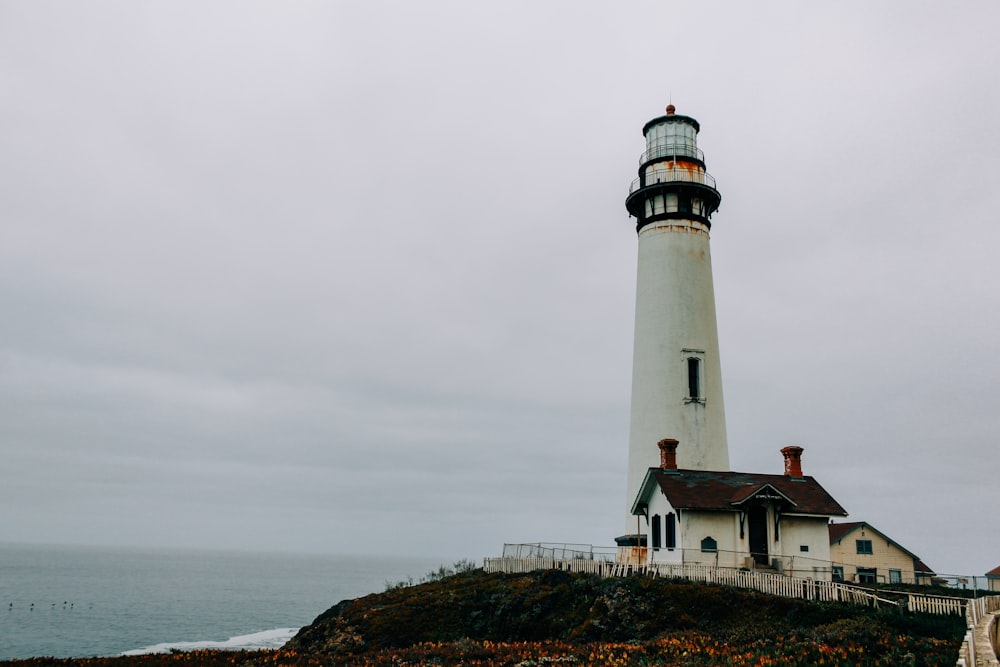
[[90, 601]]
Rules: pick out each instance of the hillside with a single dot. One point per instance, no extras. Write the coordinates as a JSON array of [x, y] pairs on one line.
[[655, 621]]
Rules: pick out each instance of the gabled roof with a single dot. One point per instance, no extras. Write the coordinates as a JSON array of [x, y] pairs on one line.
[[839, 531], [995, 572], [765, 491], [714, 490]]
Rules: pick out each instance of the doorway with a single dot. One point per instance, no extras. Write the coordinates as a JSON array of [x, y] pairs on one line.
[[757, 524]]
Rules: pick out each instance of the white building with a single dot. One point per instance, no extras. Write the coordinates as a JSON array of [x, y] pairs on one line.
[[685, 505], [676, 374], [735, 519]]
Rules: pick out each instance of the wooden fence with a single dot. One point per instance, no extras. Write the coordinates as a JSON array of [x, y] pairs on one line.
[[775, 584], [970, 654]]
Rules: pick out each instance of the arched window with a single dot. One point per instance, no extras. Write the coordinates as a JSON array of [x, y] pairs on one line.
[[708, 545], [671, 536], [655, 527]]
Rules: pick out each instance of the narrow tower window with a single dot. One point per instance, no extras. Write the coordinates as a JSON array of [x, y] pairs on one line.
[[656, 527], [694, 378]]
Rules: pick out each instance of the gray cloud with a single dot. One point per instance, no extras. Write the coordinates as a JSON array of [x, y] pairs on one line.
[[359, 278]]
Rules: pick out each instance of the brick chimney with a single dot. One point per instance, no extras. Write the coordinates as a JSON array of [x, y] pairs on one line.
[[793, 461], [668, 453]]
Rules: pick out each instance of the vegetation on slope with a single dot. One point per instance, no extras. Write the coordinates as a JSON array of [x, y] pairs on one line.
[[652, 619]]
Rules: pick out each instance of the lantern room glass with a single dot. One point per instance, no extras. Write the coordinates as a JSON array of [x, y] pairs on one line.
[[672, 138]]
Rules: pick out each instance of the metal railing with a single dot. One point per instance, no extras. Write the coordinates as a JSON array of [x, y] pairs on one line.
[[602, 561], [560, 551], [673, 175], [774, 584], [671, 150], [608, 562]]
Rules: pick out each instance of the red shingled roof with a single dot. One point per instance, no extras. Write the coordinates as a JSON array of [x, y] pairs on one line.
[[995, 572], [838, 530], [711, 490]]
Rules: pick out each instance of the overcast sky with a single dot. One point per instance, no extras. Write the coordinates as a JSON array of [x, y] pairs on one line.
[[358, 277]]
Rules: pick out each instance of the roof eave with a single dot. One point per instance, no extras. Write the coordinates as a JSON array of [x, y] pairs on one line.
[[648, 484]]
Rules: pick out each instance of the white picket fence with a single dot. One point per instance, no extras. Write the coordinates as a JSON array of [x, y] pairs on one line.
[[969, 655], [772, 584]]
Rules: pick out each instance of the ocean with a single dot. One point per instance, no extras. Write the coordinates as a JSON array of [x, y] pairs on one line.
[[64, 601]]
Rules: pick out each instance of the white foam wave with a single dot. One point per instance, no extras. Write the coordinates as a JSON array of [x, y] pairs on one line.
[[253, 642]]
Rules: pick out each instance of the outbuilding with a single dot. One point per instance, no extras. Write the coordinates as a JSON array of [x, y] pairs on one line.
[[993, 577], [865, 555]]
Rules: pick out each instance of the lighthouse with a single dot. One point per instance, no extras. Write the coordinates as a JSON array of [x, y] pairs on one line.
[[676, 374]]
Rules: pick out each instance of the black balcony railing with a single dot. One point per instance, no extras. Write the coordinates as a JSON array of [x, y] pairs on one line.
[[673, 176]]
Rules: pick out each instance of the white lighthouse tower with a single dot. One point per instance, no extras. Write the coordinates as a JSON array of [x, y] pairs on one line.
[[676, 375]]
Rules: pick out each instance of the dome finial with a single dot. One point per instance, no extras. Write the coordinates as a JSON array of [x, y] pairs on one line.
[[671, 109]]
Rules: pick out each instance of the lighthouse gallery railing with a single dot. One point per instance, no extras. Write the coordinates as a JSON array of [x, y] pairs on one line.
[[673, 175]]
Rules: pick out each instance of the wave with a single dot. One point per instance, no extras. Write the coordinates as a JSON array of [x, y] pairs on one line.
[[256, 641]]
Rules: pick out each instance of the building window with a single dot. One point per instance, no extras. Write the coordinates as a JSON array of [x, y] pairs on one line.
[[803, 547], [656, 531], [864, 546], [694, 378], [708, 545], [658, 205], [671, 536], [838, 573], [895, 576], [867, 575]]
